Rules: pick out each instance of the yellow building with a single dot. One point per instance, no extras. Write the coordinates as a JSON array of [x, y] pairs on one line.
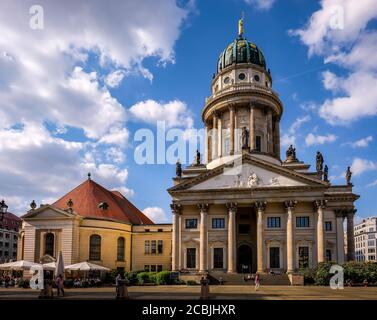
[[91, 223]]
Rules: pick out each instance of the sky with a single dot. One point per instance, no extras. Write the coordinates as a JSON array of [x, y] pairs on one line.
[[80, 79]]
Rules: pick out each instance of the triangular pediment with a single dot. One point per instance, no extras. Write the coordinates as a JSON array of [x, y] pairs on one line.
[[248, 172], [48, 212]]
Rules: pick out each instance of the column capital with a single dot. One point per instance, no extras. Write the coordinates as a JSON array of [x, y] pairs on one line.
[[290, 204], [232, 206], [203, 207], [351, 212], [320, 204], [260, 205], [232, 106], [215, 113], [176, 208], [345, 212]]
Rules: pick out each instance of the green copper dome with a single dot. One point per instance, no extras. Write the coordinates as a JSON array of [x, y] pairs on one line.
[[241, 51]]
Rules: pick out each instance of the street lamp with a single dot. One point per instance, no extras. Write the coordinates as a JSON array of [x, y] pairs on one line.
[[3, 209]]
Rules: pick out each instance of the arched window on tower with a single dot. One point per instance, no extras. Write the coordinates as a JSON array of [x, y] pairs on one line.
[[120, 249], [49, 244], [95, 247], [226, 142]]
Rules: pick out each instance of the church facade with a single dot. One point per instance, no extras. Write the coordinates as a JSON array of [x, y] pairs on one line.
[[247, 209], [92, 223]]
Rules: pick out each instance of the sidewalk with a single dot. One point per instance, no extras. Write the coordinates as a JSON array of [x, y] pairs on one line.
[[216, 292]]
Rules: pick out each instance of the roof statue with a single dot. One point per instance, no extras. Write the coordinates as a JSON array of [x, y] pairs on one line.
[[326, 173], [178, 169], [319, 162], [348, 175], [291, 154], [245, 138], [197, 161]]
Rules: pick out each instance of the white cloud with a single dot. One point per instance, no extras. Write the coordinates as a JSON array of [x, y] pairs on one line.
[[361, 57], [360, 166], [298, 123], [360, 99], [175, 113], [46, 77], [362, 143], [114, 78], [336, 23], [114, 155], [372, 184], [116, 136], [308, 106], [156, 214], [290, 137], [287, 140], [46, 167], [312, 140], [338, 32], [261, 4]]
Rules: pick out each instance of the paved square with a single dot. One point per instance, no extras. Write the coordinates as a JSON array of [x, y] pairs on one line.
[[216, 292]]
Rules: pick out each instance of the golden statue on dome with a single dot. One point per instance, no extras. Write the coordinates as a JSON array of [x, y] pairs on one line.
[[240, 26]]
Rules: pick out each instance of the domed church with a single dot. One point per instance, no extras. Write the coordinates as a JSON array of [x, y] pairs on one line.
[[92, 223], [247, 209]]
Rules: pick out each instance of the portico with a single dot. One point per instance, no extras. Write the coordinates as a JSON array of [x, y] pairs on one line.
[[257, 236]]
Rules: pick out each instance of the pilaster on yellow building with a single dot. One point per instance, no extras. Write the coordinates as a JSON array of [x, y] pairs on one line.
[[91, 223]]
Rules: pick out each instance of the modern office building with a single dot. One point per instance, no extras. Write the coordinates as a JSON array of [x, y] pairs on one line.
[[9, 227], [365, 240]]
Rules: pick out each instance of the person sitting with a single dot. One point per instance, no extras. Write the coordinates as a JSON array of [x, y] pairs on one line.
[[77, 282]]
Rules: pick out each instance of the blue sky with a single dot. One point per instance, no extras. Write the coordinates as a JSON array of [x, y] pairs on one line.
[[88, 84]]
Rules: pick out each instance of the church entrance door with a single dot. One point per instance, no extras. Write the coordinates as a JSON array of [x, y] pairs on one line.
[[244, 259]]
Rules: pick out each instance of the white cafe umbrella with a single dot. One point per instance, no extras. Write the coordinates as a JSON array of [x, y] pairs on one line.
[[19, 265], [85, 266], [59, 265]]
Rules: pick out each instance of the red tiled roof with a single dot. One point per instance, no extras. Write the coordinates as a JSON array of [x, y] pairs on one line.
[[88, 195], [10, 221]]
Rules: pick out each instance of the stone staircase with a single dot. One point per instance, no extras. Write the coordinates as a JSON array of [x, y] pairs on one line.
[[238, 279]]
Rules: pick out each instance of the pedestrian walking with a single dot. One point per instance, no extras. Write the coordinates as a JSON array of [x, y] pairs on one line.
[[204, 289], [257, 282], [60, 284], [117, 280]]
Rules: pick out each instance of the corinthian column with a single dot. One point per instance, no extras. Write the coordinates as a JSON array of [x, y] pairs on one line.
[[261, 206], [214, 135], [203, 265], [277, 137], [219, 137], [232, 210], [252, 128], [339, 235], [270, 141], [350, 235], [231, 111], [290, 205], [176, 210], [320, 205]]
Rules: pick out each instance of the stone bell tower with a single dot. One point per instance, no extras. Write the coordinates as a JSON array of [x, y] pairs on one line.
[[243, 112]]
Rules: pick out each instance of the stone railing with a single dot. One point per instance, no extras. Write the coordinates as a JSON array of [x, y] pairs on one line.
[[239, 88]]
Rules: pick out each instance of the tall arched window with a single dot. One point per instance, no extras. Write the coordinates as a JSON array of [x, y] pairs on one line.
[[49, 244], [95, 247], [120, 249]]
